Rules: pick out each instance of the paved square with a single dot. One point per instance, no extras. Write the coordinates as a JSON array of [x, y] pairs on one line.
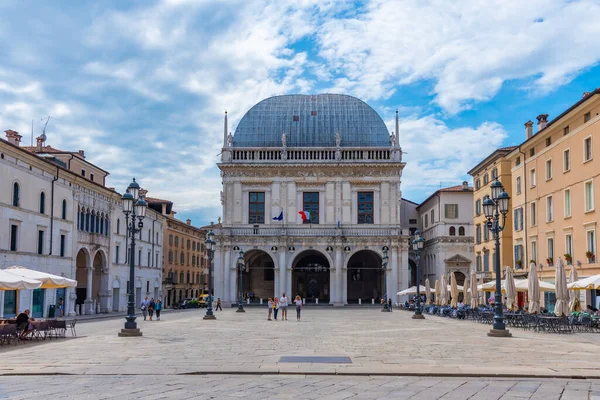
[[376, 342]]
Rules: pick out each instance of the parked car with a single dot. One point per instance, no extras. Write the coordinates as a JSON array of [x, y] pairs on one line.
[[203, 300], [189, 303]]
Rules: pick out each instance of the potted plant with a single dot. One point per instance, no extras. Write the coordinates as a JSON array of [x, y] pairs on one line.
[[549, 260], [568, 258], [590, 256]]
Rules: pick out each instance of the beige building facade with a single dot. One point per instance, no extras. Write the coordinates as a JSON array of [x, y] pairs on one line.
[[554, 175]]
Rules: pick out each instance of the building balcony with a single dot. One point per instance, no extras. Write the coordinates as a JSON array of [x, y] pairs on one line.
[[332, 155], [311, 231], [92, 238], [484, 275]]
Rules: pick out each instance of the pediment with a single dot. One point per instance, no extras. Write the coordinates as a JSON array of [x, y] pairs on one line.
[[457, 258]]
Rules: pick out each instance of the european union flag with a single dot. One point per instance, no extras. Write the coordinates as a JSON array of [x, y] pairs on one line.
[[279, 218]]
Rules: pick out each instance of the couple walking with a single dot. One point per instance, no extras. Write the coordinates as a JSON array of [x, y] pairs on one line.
[[275, 304]]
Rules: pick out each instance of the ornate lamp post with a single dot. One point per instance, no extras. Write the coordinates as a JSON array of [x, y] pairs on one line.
[[417, 245], [136, 206], [384, 264], [494, 208], [210, 247], [241, 264]]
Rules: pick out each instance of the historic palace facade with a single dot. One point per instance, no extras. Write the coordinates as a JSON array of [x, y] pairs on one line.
[[311, 195]]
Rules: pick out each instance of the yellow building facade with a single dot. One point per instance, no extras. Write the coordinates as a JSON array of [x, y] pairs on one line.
[[496, 165]]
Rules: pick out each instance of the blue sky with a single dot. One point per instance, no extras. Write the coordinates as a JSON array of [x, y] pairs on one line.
[[142, 85]]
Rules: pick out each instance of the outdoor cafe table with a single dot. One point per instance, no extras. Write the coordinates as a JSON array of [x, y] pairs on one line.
[[550, 323]]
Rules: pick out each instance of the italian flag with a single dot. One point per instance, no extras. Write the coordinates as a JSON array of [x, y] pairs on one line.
[[305, 215]]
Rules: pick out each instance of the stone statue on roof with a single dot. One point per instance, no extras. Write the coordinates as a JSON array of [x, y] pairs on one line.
[[283, 139], [338, 139], [393, 139], [229, 140]]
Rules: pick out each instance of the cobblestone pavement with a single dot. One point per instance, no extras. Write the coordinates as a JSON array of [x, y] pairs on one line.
[[377, 343], [292, 387]]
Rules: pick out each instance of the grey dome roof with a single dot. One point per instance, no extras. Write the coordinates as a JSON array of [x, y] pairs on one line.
[[311, 121]]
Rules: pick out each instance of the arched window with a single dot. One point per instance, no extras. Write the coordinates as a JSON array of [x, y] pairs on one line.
[[97, 222], [452, 231], [101, 230], [170, 256], [170, 240], [42, 203], [461, 231], [194, 246], [92, 222], [118, 226], [198, 278], [188, 244], [64, 209], [188, 277], [107, 225], [181, 277], [193, 261], [176, 241], [182, 258], [87, 220], [16, 199]]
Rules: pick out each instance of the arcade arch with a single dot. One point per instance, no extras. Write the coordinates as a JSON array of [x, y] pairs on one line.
[[311, 277], [365, 276], [258, 278]]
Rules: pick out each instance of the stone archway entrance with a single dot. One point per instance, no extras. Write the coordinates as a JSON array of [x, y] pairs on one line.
[[365, 277], [258, 279], [311, 277], [82, 263]]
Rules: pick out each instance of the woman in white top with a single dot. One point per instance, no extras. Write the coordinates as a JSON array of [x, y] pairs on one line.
[[298, 302]]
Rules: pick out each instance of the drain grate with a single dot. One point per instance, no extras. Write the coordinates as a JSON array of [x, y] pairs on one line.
[[315, 359]]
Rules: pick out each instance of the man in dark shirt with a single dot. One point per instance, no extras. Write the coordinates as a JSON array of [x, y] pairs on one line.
[[23, 324]]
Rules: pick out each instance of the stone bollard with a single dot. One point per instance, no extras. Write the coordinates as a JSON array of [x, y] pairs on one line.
[[261, 301], [359, 302], [248, 300], [303, 301], [373, 301], [316, 301]]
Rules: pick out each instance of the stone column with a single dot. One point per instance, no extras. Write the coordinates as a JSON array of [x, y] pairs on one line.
[[226, 295], [339, 291], [285, 275], [395, 274], [89, 302]]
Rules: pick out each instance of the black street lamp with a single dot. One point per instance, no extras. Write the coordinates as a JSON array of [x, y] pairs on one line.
[[241, 264], [384, 264], [417, 246], [137, 210], [493, 208], [210, 247]]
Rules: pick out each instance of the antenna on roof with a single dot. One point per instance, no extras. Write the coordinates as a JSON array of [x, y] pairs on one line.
[[45, 125]]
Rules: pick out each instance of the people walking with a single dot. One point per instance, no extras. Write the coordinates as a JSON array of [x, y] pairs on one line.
[[283, 306], [144, 307], [270, 305], [275, 307], [158, 308], [218, 307], [151, 307], [390, 304], [298, 302]]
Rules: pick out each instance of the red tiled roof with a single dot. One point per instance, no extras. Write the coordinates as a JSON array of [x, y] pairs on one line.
[[155, 200], [45, 149]]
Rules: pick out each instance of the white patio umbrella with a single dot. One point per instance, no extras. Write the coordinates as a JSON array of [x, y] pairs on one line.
[[562, 297], [466, 291], [574, 304], [437, 292], [590, 283], [10, 281], [533, 291], [49, 281], [453, 290], [511, 291], [444, 291], [412, 290], [474, 296], [427, 291]]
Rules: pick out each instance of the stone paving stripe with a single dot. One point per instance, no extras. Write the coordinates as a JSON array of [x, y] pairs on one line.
[[315, 359]]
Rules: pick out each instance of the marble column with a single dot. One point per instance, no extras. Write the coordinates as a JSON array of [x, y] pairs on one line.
[[227, 294], [89, 302], [285, 285], [339, 260], [395, 274]]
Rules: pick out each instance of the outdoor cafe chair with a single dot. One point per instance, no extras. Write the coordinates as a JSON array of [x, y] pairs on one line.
[[8, 333], [71, 324], [42, 330]]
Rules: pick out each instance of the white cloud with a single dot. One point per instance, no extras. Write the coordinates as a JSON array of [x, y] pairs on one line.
[[436, 154], [468, 48]]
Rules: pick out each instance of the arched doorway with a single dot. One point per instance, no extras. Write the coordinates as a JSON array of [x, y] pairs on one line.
[[258, 278], [412, 267], [82, 262], [365, 277], [310, 277]]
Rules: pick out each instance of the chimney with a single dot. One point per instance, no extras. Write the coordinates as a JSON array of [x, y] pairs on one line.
[[40, 140], [13, 137], [164, 209], [81, 153], [585, 94], [188, 221], [465, 185], [528, 129], [542, 121]]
